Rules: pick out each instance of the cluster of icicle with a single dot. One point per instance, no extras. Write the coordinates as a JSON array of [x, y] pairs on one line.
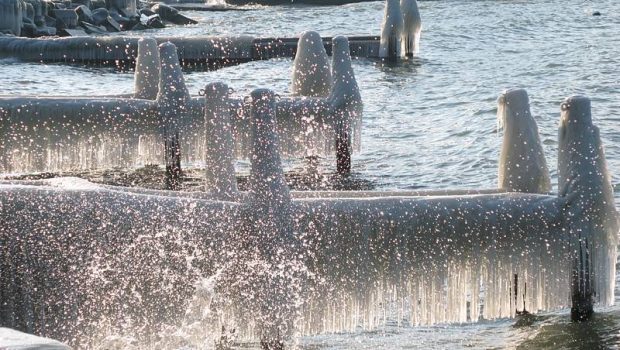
[[401, 28], [68, 134], [268, 264]]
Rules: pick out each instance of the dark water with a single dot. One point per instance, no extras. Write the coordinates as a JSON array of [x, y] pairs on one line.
[[429, 122]]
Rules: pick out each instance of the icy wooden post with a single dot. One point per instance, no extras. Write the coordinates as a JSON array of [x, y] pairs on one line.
[[412, 26], [219, 158], [271, 205], [345, 101], [522, 165], [591, 215], [147, 70], [267, 182], [172, 97], [391, 30], [311, 72]]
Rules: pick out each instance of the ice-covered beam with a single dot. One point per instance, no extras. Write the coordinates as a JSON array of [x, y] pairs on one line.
[[208, 51], [57, 134], [591, 215], [522, 164]]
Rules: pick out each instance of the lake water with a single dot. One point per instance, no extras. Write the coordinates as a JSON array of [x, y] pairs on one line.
[[429, 122]]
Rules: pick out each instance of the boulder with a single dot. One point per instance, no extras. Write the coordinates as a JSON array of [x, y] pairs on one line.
[[84, 14], [93, 29], [99, 16], [170, 14], [66, 19]]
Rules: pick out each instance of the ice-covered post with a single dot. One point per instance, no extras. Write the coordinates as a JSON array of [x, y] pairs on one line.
[[311, 72], [219, 158], [267, 182], [172, 97], [412, 26], [146, 81], [345, 102], [391, 30], [590, 212], [273, 226], [522, 164]]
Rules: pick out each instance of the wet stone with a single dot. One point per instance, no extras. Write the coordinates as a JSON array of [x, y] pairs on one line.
[[84, 14], [100, 16], [67, 18]]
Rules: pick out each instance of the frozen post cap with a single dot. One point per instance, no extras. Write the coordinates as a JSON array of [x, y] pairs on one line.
[[576, 110], [391, 30], [311, 71], [267, 182], [345, 91], [412, 26], [147, 69], [522, 164], [219, 159], [11, 12]]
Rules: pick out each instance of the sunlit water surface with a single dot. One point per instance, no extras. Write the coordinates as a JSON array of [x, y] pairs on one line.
[[429, 122]]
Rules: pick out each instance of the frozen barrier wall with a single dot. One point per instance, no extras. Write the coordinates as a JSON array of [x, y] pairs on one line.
[[77, 252], [374, 260]]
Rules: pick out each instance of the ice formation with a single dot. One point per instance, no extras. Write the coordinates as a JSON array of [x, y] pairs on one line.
[[412, 27], [391, 30], [522, 164], [11, 339], [304, 263], [311, 70]]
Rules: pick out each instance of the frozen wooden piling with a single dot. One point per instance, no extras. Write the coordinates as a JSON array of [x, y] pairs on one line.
[[591, 215], [173, 98], [219, 150]]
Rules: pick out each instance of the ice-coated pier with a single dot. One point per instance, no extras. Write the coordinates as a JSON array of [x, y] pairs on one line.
[[312, 262]]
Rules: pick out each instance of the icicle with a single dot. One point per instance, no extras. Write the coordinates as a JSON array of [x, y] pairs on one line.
[[412, 27], [147, 69], [522, 164], [592, 218], [391, 31], [219, 160], [311, 73]]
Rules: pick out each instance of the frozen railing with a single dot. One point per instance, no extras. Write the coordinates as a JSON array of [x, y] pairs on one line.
[[281, 263], [63, 134]]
